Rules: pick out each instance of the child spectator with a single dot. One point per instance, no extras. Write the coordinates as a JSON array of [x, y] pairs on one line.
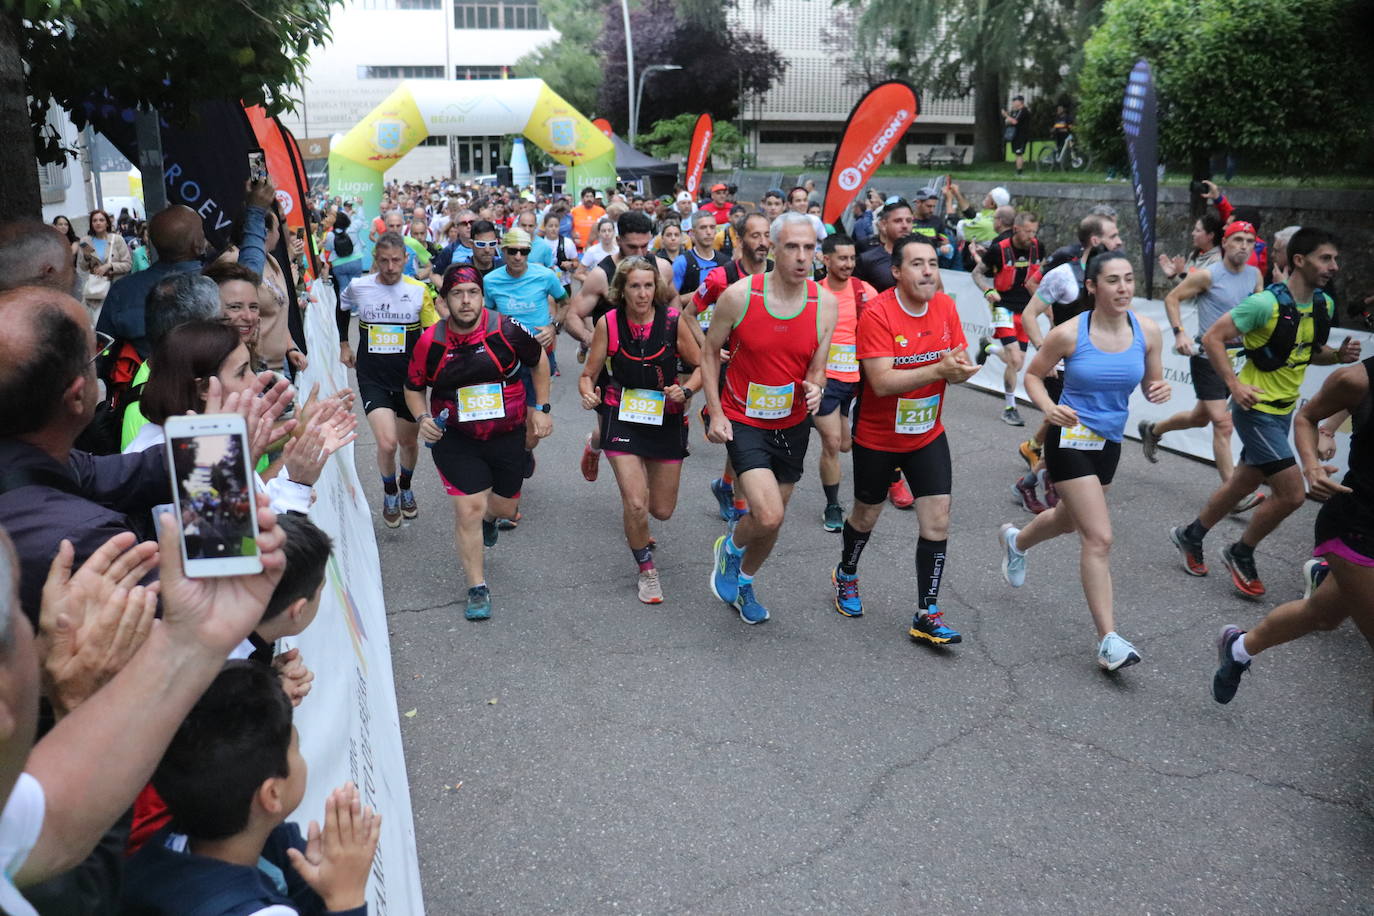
[[231, 776]]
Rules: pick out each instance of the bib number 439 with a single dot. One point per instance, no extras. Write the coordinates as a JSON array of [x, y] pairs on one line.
[[769, 402]]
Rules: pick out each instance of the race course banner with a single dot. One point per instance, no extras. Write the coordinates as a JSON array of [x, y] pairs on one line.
[[878, 123], [1140, 123], [349, 726], [977, 321], [699, 153]]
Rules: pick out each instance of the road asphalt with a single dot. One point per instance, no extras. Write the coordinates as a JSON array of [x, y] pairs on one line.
[[584, 753]]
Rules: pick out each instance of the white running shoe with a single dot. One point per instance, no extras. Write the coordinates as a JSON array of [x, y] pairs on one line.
[[1115, 653], [1013, 561]]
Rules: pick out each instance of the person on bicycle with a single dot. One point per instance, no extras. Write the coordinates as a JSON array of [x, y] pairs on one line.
[[1063, 127]]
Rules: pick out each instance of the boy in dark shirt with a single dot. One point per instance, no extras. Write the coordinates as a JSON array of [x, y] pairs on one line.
[[231, 776]]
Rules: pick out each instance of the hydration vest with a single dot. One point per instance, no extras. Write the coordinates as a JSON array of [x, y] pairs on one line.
[[1006, 276], [649, 363], [1273, 354], [500, 350], [691, 277]]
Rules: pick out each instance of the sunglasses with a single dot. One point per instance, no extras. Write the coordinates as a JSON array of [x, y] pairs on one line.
[[523, 252], [478, 243], [103, 342], [466, 222]]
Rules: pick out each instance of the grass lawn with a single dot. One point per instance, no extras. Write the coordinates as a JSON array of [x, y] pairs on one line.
[[1006, 171]]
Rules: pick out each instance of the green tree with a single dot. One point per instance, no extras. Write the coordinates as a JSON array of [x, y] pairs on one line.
[[1281, 82], [673, 137], [568, 64], [166, 54]]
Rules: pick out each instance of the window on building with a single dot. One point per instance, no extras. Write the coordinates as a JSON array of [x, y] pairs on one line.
[[405, 72], [963, 139], [464, 72], [402, 4], [498, 14], [434, 140]]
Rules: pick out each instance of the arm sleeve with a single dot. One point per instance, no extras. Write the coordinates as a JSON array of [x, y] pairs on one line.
[[253, 251]]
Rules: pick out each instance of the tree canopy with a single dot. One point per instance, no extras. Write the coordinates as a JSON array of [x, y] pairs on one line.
[[673, 137], [1283, 83], [568, 64]]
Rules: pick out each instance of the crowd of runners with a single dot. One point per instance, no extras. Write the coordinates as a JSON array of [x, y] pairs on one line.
[[763, 323]]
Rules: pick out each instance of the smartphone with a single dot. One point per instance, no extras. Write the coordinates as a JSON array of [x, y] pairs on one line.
[[212, 491], [257, 165], [300, 233]]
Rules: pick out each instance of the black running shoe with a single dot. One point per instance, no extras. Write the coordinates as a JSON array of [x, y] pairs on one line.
[[1227, 679]]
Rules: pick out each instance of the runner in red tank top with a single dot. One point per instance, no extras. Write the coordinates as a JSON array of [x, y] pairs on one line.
[[777, 327]]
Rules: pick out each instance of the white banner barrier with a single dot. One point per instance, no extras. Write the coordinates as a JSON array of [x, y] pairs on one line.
[[977, 321], [349, 726]]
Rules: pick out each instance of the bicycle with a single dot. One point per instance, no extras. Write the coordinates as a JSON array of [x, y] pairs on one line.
[[1068, 157]]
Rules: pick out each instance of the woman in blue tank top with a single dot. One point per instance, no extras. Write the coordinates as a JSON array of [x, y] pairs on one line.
[[1107, 351]]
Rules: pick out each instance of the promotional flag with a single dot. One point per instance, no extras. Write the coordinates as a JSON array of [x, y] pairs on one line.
[[699, 153], [602, 125], [876, 125], [1139, 121]]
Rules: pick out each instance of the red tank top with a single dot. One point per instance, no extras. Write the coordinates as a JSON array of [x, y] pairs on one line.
[[769, 359]]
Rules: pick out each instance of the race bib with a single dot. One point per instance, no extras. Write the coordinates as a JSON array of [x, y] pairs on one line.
[[642, 405], [842, 358], [704, 318], [386, 338], [481, 402], [917, 415], [1081, 439], [1002, 318], [769, 402]]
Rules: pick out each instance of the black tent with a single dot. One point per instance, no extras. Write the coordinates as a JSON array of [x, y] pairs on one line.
[[631, 165]]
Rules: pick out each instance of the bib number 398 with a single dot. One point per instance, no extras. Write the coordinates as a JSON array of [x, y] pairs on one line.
[[917, 415], [1081, 439], [769, 402], [386, 338], [642, 405], [481, 402]]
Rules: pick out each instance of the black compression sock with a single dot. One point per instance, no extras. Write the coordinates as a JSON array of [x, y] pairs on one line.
[[854, 543], [404, 480], [930, 566], [388, 485], [1195, 531], [832, 493]]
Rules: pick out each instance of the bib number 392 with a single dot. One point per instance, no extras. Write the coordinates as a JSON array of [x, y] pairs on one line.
[[642, 405], [769, 402], [1081, 439], [481, 402], [917, 415], [386, 338]]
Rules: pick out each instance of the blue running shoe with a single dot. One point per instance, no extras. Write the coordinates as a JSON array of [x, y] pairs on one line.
[[929, 625], [750, 611], [724, 573], [725, 496], [1013, 560], [1226, 680], [847, 600], [1314, 572], [391, 509], [409, 508], [479, 603]]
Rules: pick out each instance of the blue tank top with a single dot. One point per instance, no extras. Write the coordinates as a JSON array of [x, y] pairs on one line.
[[1098, 385]]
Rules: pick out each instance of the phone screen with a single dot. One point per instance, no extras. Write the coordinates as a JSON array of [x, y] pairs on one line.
[[257, 165], [213, 486]]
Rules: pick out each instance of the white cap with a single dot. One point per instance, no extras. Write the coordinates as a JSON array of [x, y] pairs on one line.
[[1000, 196], [684, 195]]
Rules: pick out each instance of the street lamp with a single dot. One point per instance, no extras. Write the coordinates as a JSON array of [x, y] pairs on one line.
[[639, 96]]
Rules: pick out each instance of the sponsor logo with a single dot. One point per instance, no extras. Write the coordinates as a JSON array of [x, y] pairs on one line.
[[850, 179], [563, 132], [387, 134], [901, 340], [286, 202], [875, 148]]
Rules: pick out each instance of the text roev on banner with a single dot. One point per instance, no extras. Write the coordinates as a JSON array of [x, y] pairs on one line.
[[699, 152], [877, 124], [1140, 123]]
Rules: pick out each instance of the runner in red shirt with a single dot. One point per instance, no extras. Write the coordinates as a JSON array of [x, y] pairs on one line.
[[777, 327], [719, 205], [841, 369], [911, 345]]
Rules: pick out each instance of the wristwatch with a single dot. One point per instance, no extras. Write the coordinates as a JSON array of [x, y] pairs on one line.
[[1177, 329], [542, 408]]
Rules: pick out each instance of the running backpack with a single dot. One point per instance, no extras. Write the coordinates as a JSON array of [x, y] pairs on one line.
[[343, 245], [691, 277], [1273, 354], [439, 345]]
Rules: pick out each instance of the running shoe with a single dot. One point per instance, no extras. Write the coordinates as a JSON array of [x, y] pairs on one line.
[[847, 600], [725, 497], [1029, 454], [750, 611], [391, 509], [409, 508], [929, 625], [530, 465], [1051, 491], [582, 350], [650, 589], [724, 573], [1012, 417], [591, 460], [899, 494], [987, 347], [1248, 502], [489, 533], [1115, 653], [1193, 562], [1025, 495], [510, 524], [1149, 441], [1313, 572], [833, 518], [1243, 574], [1226, 681], [1013, 560], [479, 603]]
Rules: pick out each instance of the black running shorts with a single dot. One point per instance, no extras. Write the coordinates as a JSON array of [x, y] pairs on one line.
[[1068, 463], [782, 451], [928, 471], [468, 466]]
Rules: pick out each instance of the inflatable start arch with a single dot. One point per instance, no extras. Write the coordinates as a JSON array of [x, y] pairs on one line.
[[419, 108]]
